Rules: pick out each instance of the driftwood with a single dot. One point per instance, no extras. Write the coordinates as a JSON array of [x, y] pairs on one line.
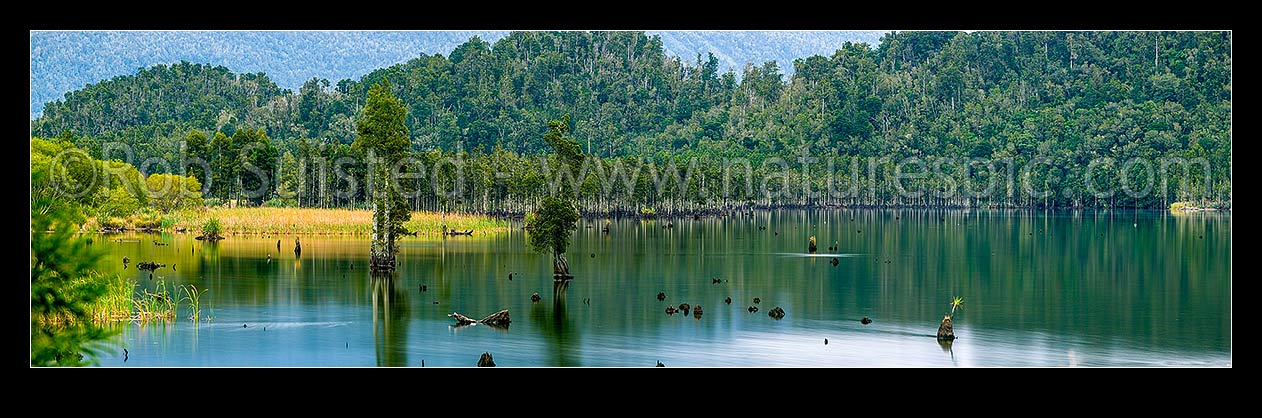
[[498, 319], [945, 332], [455, 232], [149, 265]]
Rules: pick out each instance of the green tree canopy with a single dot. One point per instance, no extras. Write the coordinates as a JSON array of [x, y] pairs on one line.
[[552, 227]]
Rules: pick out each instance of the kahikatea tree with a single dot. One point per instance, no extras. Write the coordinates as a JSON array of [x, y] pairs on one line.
[[553, 223], [381, 134], [555, 219]]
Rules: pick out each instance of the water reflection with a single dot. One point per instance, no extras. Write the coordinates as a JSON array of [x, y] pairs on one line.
[[947, 347], [1146, 289], [556, 325], [390, 315]]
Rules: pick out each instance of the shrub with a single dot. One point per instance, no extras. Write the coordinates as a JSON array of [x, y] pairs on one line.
[[212, 228]]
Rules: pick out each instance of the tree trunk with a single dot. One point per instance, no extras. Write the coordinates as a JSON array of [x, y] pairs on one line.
[[560, 267], [945, 332]]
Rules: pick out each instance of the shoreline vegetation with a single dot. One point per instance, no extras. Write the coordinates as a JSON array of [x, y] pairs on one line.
[[319, 221], [1186, 207], [305, 221]]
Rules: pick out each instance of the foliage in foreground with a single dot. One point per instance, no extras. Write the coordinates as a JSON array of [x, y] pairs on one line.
[[63, 288]]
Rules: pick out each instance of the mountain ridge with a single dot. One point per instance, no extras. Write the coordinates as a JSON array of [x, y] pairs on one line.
[[65, 61]]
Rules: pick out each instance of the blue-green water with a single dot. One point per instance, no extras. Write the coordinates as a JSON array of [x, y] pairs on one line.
[[1040, 289]]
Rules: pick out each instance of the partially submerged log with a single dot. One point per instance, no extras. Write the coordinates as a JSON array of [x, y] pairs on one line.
[[498, 319], [461, 319], [150, 265], [945, 332]]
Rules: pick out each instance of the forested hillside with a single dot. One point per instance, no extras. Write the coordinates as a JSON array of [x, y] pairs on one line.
[[1063, 99], [62, 61]]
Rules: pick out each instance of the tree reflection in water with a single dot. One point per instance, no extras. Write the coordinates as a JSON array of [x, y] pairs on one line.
[[390, 315], [556, 327]]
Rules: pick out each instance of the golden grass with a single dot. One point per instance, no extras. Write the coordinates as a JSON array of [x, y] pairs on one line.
[[315, 221]]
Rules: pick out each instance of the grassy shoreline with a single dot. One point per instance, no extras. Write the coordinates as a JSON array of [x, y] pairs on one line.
[[316, 221]]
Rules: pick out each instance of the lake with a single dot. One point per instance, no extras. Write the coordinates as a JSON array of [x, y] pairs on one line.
[[1054, 288]]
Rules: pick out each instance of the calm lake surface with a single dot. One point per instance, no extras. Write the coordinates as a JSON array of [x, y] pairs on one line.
[[1058, 288]]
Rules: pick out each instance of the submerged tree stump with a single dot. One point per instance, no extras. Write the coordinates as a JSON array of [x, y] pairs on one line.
[[945, 333], [486, 360]]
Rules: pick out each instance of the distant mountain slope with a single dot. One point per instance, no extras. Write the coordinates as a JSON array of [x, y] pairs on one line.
[[67, 60], [734, 49]]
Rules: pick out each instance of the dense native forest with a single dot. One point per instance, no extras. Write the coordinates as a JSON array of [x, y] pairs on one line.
[[62, 61], [1063, 112]]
